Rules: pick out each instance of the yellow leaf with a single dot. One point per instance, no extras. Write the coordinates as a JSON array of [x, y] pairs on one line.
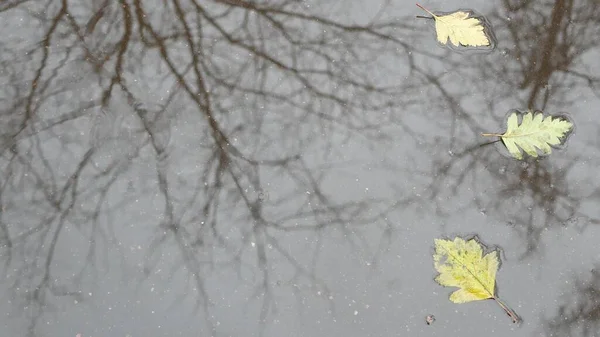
[[462, 264], [461, 28], [535, 132]]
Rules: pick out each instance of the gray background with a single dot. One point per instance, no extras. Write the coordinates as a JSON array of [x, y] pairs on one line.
[[281, 168]]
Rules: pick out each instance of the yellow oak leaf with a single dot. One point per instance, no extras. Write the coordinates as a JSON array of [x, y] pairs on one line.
[[462, 264], [534, 132], [461, 29]]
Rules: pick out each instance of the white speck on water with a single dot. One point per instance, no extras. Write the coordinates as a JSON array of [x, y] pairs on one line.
[[355, 312]]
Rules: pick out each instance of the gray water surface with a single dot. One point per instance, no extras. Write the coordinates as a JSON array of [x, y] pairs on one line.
[[282, 168]]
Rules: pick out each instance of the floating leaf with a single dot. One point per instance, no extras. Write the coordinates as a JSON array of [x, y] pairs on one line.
[[462, 28], [535, 132], [462, 264]]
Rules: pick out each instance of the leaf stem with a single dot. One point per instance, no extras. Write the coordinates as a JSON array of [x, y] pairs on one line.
[[425, 9], [511, 313], [425, 17], [491, 135]]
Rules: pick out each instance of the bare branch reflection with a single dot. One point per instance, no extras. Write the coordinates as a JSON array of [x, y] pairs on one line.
[[545, 52], [178, 116], [203, 136], [579, 313]]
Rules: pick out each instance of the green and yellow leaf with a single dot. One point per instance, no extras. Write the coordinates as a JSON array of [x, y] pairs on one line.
[[462, 264], [535, 132], [461, 29]]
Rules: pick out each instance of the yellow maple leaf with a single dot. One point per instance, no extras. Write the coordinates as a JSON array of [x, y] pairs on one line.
[[462, 264], [461, 28], [535, 132]]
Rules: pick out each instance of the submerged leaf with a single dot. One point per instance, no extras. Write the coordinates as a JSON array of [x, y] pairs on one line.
[[535, 132], [461, 28]]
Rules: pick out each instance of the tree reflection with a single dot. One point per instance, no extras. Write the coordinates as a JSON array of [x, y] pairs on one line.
[[579, 315], [561, 31], [541, 64], [258, 84], [179, 117]]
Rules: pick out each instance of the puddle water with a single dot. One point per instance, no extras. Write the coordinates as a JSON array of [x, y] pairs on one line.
[[246, 168]]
